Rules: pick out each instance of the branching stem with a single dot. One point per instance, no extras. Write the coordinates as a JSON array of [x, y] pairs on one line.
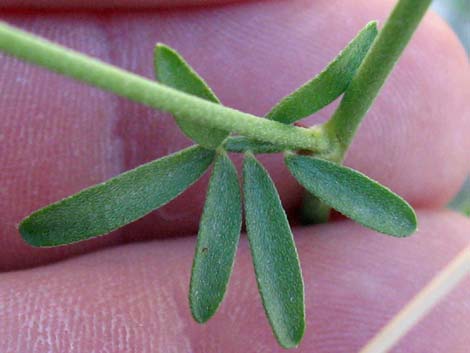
[[374, 70]]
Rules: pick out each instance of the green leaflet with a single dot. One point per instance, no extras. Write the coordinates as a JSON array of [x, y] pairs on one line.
[[172, 70], [219, 231], [354, 195], [327, 85], [244, 144], [105, 207], [274, 255]]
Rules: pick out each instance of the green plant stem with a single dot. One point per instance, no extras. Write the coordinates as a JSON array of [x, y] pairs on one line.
[[365, 86], [374, 70], [313, 210], [67, 62], [461, 202], [241, 144]]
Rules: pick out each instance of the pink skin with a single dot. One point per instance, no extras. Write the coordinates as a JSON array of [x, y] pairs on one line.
[[58, 136]]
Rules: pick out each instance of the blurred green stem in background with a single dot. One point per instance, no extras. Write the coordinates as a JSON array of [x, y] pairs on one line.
[[457, 14], [461, 202]]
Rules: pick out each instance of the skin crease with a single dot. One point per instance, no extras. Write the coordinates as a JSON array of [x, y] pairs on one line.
[[133, 297]]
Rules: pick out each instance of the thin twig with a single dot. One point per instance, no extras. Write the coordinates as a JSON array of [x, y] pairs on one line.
[[421, 304], [41, 52], [376, 67]]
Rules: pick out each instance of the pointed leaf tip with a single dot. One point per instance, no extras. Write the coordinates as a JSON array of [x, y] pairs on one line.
[[328, 84], [354, 195], [219, 232], [123, 199], [274, 255]]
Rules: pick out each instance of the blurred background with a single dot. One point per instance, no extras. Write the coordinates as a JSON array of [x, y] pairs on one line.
[[457, 14]]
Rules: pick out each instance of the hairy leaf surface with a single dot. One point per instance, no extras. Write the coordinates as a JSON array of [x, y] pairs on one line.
[[127, 197], [328, 84], [274, 255], [172, 70], [354, 194], [219, 232]]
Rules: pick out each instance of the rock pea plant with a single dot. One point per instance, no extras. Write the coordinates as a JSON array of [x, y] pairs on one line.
[[313, 156]]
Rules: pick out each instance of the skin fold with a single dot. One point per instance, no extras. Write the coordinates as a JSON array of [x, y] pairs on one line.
[[125, 295]]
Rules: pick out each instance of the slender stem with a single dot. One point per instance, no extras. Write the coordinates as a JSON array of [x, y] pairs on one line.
[[365, 86], [241, 144], [67, 62], [374, 70], [461, 202], [421, 304]]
